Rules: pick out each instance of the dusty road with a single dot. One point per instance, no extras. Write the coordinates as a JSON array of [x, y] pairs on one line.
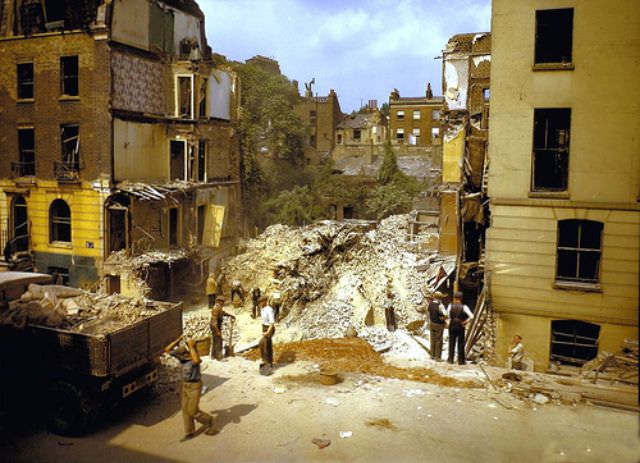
[[274, 419]]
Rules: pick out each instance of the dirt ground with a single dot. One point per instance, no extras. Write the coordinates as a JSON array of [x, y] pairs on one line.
[[386, 419]]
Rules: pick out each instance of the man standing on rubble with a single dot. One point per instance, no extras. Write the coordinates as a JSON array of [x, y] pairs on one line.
[[236, 288], [437, 318], [255, 298], [189, 359], [459, 315], [390, 312], [217, 315], [268, 320], [212, 289]]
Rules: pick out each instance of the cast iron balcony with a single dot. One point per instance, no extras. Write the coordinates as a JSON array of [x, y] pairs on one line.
[[65, 171], [23, 169]]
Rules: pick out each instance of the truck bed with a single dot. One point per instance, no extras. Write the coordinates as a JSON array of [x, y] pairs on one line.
[[111, 354]]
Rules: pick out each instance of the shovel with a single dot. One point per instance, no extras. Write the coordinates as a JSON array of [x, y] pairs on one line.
[[228, 349]]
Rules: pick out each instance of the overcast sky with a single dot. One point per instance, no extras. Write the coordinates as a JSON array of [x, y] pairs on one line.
[[361, 49]]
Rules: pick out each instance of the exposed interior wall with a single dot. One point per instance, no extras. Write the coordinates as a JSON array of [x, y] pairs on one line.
[[456, 81], [140, 151], [449, 242], [130, 23], [453, 155], [186, 26], [219, 94], [137, 83]]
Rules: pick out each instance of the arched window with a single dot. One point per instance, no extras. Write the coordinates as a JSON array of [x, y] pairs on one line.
[[59, 221], [579, 249]]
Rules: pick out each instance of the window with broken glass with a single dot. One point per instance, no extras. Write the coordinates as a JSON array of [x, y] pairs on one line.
[[579, 250], [59, 222], [554, 36], [185, 97], [69, 76], [25, 81], [69, 166], [27, 153], [551, 149]]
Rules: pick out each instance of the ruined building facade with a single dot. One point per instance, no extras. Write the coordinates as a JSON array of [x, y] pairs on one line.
[[320, 115], [117, 139], [465, 120], [564, 179]]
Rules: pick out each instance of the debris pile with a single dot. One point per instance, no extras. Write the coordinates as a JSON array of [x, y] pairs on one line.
[[335, 276], [196, 326], [620, 367], [76, 310]]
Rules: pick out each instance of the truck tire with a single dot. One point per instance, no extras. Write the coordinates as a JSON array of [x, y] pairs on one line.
[[68, 413]]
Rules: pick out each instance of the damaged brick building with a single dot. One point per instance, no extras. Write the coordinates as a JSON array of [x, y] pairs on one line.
[[465, 121], [564, 177], [119, 154]]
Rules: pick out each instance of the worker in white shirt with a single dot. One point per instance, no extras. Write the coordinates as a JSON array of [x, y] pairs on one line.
[[267, 318], [459, 315], [517, 352]]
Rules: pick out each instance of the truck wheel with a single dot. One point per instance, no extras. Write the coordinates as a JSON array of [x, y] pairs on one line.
[[68, 412]]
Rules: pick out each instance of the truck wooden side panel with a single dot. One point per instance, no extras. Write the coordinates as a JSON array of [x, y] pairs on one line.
[[164, 328]]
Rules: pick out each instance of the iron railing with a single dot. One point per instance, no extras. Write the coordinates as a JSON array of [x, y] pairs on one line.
[[65, 171], [23, 169]]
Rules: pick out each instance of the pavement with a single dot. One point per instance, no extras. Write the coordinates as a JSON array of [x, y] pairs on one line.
[[365, 418]]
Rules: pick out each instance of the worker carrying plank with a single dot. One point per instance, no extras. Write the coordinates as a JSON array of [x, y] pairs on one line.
[[459, 316], [187, 354]]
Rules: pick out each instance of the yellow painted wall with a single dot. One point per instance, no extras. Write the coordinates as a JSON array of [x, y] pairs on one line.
[[452, 155], [86, 217], [536, 332], [604, 160]]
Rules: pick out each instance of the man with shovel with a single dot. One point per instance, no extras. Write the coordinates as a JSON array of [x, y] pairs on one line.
[[217, 315]]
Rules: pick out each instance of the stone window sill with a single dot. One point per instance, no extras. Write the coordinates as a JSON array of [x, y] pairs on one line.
[[69, 98], [553, 67], [26, 100], [578, 286], [60, 244], [549, 194]]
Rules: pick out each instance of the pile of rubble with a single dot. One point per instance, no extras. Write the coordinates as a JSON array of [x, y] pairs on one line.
[[335, 276], [195, 325], [76, 310], [621, 367]]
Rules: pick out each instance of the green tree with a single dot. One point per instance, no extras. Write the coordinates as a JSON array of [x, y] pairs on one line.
[[389, 169], [387, 200], [292, 207]]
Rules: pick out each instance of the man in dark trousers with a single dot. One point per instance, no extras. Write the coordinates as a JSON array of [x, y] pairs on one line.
[[267, 318], [459, 315], [217, 315], [255, 298], [437, 317]]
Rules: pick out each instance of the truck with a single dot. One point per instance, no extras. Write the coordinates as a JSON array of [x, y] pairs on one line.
[[71, 375]]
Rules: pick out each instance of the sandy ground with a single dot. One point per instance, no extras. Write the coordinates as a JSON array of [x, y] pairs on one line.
[[274, 419]]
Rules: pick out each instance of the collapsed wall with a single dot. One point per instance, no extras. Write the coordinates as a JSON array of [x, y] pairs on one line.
[[333, 276]]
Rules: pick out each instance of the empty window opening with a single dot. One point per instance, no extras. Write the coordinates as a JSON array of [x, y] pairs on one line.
[[416, 115], [574, 342], [69, 75], [113, 284], [579, 250], [551, 149], [339, 139], [69, 165], [486, 94], [202, 161], [347, 212], [118, 222], [25, 80], [400, 134], [173, 226], [185, 97], [472, 240], [59, 222], [202, 212], [27, 152], [177, 150], [357, 134], [554, 35], [20, 224], [400, 115], [60, 275], [202, 106]]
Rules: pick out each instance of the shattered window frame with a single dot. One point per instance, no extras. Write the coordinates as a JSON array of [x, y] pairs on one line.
[[181, 99], [60, 222], [579, 251], [25, 81], [69, 76], [551, 150], [554, 36], [202, 105], [26, 151]]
